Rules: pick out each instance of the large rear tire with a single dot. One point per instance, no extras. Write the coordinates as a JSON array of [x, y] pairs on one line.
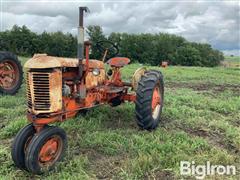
[[11, 74], [149, 100]]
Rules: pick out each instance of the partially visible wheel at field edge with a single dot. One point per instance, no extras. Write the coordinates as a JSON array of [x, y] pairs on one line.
[[149, 100], [11, 74], [46, 149], [20, 144]]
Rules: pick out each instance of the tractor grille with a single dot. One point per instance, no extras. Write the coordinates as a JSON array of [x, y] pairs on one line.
[[44, 90], [39, 99], [29, 97], [41, 91]]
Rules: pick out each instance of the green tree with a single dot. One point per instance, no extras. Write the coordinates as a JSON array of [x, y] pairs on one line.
[[95, 34], [187, 56]]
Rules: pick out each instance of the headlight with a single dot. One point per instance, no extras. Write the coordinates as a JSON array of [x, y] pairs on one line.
[[96, 72]]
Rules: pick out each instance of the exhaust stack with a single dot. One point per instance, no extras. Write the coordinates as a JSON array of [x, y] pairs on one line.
[[80, 39]]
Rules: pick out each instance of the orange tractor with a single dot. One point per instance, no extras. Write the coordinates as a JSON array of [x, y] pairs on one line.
[[11, 74], [58, 88]]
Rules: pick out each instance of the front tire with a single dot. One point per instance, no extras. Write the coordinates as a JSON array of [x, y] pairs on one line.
[[46, 149], [149, 100], [20, 144]]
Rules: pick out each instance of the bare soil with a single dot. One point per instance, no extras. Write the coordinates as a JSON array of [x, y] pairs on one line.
[[166, 175], [104, 166], [214, 138], [216, 88]]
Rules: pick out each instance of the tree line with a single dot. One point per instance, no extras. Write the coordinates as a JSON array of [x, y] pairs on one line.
[[147, 48], [23, 42]]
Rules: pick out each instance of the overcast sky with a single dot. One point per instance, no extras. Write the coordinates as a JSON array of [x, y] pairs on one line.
[[214, 22]]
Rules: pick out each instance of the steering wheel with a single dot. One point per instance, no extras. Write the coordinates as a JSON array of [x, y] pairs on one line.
[[108, 48]]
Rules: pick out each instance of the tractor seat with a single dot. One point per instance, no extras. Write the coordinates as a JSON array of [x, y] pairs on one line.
[[118, 61]]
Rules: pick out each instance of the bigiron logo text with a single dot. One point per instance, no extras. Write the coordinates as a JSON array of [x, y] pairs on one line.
[[200, 171]]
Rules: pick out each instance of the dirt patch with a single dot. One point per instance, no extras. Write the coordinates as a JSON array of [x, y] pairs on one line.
[[6, 142], [214, 138], [119, 123], [102, 166], [198, 132], [235, 122], [107, 167], [167, 175], [206, 87], [120, 120], [2, 125], [164, 120]]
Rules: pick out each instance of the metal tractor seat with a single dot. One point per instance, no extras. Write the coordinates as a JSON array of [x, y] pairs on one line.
[[118, 62]]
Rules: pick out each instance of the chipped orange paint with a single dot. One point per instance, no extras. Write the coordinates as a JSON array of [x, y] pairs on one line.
[[42, 61], [118, 61], [93, 81]]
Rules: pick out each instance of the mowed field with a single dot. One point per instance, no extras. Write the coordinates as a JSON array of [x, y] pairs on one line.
[[200, 122]]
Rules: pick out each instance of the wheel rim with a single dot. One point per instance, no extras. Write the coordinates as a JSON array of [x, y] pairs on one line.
[[50, 151], [156, 100], [9, 74]]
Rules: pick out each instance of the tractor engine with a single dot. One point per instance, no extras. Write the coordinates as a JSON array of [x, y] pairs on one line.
[[53, 82]]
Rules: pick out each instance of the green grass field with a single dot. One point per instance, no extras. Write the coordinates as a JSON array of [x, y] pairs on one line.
[[200, 122]]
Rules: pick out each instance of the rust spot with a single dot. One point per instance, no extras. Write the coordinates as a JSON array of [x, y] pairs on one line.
[[93, 81], [40, 61]]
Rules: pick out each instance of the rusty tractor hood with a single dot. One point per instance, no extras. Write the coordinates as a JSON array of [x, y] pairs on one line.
[[41, 61]]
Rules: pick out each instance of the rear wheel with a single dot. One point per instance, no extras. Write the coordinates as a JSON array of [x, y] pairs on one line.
[[149, 100], [46, 149], [11, 74]]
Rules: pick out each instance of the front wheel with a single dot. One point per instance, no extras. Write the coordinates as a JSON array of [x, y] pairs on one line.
[[149, 100], [46, 149], [20, 145]]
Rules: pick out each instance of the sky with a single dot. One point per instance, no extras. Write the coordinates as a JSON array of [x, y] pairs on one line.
[[214, 22]]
